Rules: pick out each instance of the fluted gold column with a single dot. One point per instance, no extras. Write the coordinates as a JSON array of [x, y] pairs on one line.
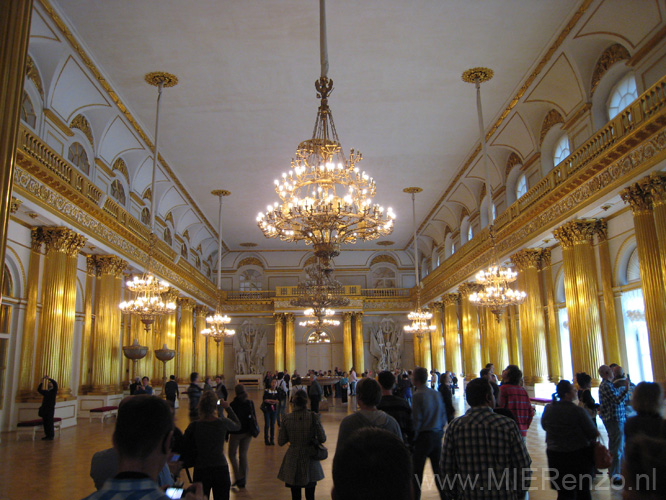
[[426, 353], [186, 341], [347, 356], [654, 293], [85, 369], [199, 339], [452, 333], [107, 336], [14, 33], [532, 324], [611, 337], [485, 332], [359, 358], [212, 358], [552, 323], [578, 256], [656, 184], [279, 341], [418, 350], [512, 325], [470, 332], [27, 386], [62, 246], [290, 344], [437, 337], [498, 350]]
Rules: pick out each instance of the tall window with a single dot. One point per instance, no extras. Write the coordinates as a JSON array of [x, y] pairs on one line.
[[28, 111], [167, 236], [565, 344], [118, 192], [521, 186], [453, 248], [622, 95], [251, 280], [5, 327], [561, 150], [470, 233], [79, 158], [145, 216]]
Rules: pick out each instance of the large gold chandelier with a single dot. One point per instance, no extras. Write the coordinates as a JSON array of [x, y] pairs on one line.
[[318, 321], [326, 201], [217, 322], [420, 318], [496, 293], [147, 290]]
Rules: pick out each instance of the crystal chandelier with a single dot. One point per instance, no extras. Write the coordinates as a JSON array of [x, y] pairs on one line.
[[319, 337], [496, 293], [147, 290], [420, 318], [217, 322], [320, 291], [325, 200], [319, 320]]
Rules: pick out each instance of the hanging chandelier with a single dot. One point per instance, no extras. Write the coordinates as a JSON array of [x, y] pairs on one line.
[[325, 200], [320, 291], [147, 290], [217, 322], [421, 317], [318, 318], [496, 294]]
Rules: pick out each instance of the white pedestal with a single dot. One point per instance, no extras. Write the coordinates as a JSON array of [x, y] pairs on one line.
[[250, 381], [66, 410], [90, 401]]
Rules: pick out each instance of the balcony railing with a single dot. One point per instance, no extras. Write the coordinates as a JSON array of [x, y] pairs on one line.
[[250, 295], [385, 292]]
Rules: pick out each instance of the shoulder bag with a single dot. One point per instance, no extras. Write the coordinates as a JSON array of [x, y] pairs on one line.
[[318, 450], [254, 425], [602, 457]]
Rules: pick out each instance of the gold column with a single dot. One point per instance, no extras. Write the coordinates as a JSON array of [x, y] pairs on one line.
[[27, 385], [418, 350], [580, 274], [290, 345], [107, 336], [212, 358], [85, 372], [498, 349], [437, 337], [186, 340], [532, 324], [170, 321], [14, 33], [511, 324], [347, 356], [485, 333], [470, 332], [359, 357], [657, 187], [144, 367], [552, 324], [426, 354], [58, 302], [200, 340], [654, 294], [452, 333], [279, 341], [612, 337]]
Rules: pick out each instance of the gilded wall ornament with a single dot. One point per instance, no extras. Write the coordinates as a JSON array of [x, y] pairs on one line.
[[82, 124], [389, 259], [250, 261], [14, 205], [613, 54], [552, 118], [32, 73], [511, 162], [121, 167]]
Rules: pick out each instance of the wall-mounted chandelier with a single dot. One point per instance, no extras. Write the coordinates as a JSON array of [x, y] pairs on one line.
[[147, 290], [326, 201], [420, 318], [496, 295], [217, 322]]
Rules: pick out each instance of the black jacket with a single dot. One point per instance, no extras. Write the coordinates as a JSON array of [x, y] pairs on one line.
[[244, 410], [49, 396]]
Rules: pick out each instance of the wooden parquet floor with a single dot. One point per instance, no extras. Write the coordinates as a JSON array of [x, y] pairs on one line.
[[59, 470]]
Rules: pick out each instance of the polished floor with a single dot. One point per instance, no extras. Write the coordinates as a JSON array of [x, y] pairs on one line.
[[60, 469]]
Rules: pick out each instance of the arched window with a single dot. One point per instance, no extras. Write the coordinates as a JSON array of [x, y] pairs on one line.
[[561, 150], [28, 111], [383, 277], [167, 236], [251, 280], [521, 186], [183, 250], [622, 95], [470, 233], [79, 158], [145, 216], [483, 212], [466, 232], [118, 192], [453, 247]]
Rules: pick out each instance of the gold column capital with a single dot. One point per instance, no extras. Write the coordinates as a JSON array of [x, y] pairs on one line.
[[289, 317], [186, 303], [468, 288], [346, 316], [656, 183], [601, 229], [36, 240], [61, 239], [451, 298], [545, 258], [109, 264], [576, 231], [638, 196], [359, 315], [200, 311], [91, 265], [278, 316], [436, 306], [527, 258], [171, 295]]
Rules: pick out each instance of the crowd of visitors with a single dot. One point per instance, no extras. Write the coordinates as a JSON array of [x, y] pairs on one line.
[[402, 420]]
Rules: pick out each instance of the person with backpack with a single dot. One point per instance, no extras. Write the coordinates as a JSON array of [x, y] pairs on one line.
[[281, 388]]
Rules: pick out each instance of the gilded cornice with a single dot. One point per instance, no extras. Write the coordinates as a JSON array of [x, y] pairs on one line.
[[110, 264], [82, 124], [527, 258], [451, 299], [608, 58]]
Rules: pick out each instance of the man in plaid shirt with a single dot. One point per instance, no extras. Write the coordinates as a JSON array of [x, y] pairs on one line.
[[484, 456], [613, 413]]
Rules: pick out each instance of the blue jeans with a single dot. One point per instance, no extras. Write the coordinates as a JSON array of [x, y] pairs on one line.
[[282, 406], [615, 431], [269, 426]]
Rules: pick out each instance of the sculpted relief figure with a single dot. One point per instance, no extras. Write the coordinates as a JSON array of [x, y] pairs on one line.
[[386, 341], [250, 349]]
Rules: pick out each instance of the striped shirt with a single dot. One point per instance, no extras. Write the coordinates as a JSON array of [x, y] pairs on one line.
[[484, 457], [612, 402], [515, 398], [129, 489]]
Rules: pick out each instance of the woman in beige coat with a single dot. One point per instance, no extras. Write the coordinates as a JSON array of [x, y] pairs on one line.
[[298, 469]]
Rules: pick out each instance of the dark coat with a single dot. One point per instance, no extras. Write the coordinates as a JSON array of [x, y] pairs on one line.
[[48, 396], [298, 469]]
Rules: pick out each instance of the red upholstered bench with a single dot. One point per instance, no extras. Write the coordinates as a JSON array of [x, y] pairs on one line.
[[541, 401], [32, 426], [102, 412]]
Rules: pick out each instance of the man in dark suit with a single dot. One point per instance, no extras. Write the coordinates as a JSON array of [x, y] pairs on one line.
[[314, 393], [171, 391], [48, 388]]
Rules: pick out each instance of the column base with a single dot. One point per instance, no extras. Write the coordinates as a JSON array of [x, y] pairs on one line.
[[66, 410], [90, 401]]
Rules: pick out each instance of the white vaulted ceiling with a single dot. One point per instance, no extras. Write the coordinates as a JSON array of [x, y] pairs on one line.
[[246, 94]]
